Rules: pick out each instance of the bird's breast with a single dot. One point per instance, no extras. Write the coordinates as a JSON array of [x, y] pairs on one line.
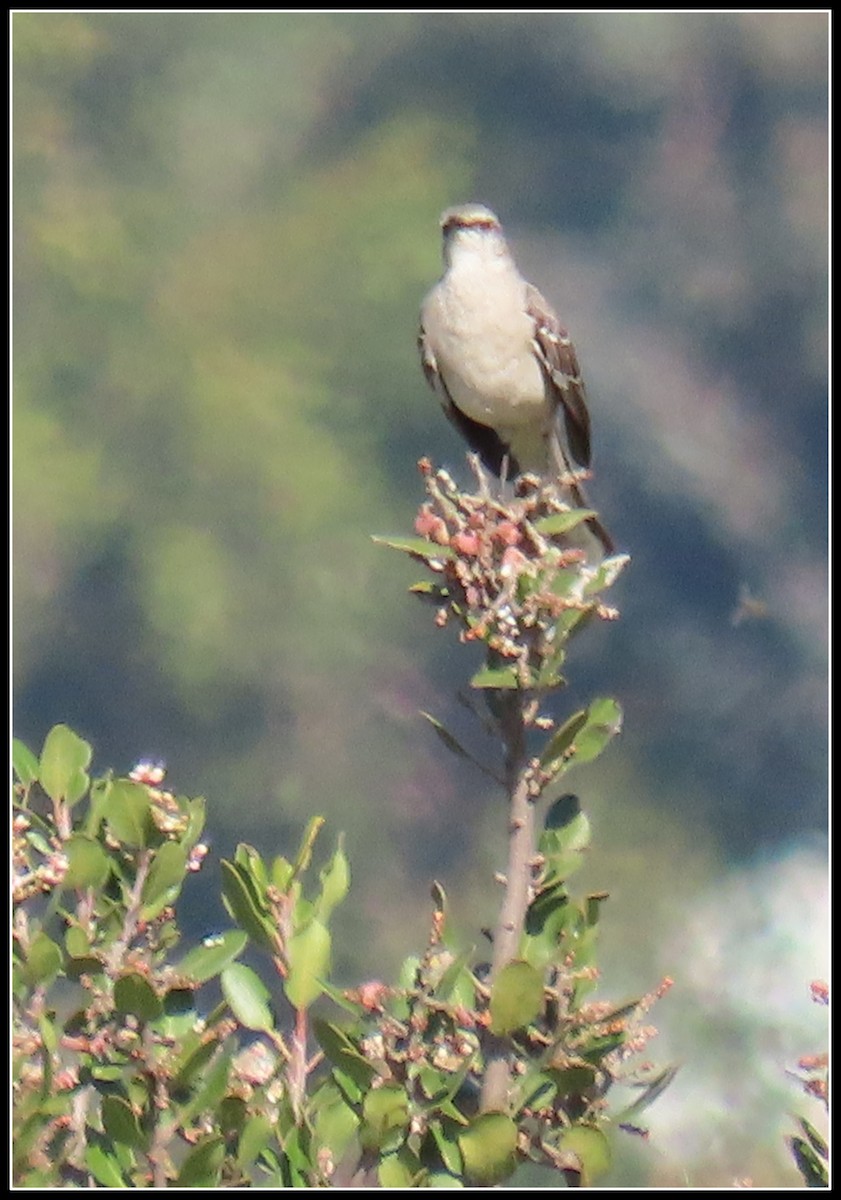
[[484, 353]]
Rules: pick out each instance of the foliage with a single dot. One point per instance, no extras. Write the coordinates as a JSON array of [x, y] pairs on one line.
[[129, 1070], [138, 1065], [809, 1148]]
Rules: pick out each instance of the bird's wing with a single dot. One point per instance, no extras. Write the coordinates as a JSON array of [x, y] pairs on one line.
[[556, 355], [483, 440]]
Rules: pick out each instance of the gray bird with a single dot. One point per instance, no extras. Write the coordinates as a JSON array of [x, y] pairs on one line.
[[501, 363]]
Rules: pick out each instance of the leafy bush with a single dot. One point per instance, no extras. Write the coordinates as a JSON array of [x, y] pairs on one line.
[[137, 1063]]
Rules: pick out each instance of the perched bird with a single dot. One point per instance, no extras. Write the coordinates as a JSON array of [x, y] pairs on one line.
[[500, 361]]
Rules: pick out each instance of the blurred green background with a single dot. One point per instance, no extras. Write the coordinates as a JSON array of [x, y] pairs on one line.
[[223, 227]]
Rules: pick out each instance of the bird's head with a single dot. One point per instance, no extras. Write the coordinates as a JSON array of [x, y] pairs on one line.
[[470, 225]]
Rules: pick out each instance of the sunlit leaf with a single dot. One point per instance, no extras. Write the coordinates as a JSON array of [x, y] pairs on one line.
[[496, 677], [121, 1124], [24, 763], [248, 997], [212, 955], [167, 872], [335, 882], [562, 522], [126, 809], [308, 953], [516, 997], [202, 1166], [416, 546], [43, 959], [385, 1114], [241, 904], [88, 864], [488, 1147], [103, 1165], [65, 758], [134, 994], [590, 1147]]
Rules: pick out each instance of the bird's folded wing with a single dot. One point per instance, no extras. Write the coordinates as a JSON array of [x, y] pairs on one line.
[[556, 355], [482, 439]]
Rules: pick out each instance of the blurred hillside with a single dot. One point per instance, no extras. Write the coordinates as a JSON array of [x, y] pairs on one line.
[[223, 226]]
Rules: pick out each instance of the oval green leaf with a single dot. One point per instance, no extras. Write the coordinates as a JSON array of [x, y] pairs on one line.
[[126, 809], [64, 761], [212, 955], [24, 763], [165, 875], [240, 902], [309, 961], [89, 865], [121, 1124], [248, 997], [43, 959], [516, 997], [203, 1165], [489, 1148], [590, 1147], [385, 1115], [134, 994]]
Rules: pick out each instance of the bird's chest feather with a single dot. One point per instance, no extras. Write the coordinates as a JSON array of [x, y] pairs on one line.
[[484, 349]]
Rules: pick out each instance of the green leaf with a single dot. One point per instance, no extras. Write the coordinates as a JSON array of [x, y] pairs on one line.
[[516, 997], [24, 763], [213, 1084], [342, 1053], [399, 1169], [335, 1122], [281, 873], [550, 921], [446, 737], [308, 954], [590, 1147], [563, 738], [583, 736], [809, 1163], [166, 875], [212, 955], [103, 1165], [496, 677], [231, 1114], [604, 720], [652, 1088], [489, 1148], [203, 1165], [418, 547], [243, 906], [445, 1134], [89, 865], [304, 855], [255, 1135], [564, 839], [564, 521], [606, 574], [385, 1115], [818, 1143], [127, 812], [76, 942], [121, 1124], [248, 997], [335, 882], [43, 960], [134, 994], [64, 762]]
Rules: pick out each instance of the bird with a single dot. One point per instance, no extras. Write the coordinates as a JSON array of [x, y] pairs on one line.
[[500, 361]]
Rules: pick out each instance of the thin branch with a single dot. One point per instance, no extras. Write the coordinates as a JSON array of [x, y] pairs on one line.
[[512, 915]]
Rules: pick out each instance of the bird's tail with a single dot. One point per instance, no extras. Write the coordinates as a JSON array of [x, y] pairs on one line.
[[569, 485]]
